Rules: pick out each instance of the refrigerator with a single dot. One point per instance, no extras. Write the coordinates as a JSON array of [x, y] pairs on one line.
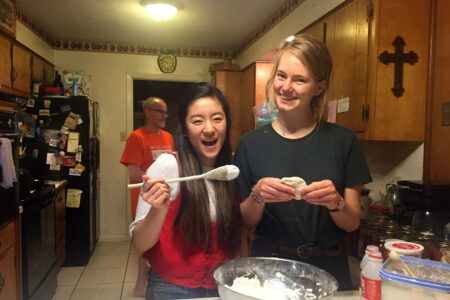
[[66, 146]]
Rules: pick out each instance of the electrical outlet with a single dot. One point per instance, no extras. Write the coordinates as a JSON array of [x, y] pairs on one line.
[[446, 113], [123, 136]]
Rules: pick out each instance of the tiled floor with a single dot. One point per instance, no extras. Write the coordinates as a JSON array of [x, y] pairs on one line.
[[110, 274]]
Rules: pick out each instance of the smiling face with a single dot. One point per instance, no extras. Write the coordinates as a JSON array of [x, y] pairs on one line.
[[206, 129], [293, 85]]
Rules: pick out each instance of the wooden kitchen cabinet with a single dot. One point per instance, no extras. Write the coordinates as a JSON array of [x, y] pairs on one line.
[[60, 224], [10, 259], [42, 71], [229, 83], [356, 34], [254, 79], [393, 118], [345, 32], [21, 72], [15, 68], [437, 142], [5, 62]]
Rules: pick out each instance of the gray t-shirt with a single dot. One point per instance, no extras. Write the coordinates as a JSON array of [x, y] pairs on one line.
[[328, 152]]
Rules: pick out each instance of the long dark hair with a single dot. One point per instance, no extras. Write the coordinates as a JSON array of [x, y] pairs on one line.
[[193, 219]]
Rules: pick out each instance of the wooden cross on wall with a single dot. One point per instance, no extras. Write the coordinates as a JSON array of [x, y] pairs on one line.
[[399, 58]]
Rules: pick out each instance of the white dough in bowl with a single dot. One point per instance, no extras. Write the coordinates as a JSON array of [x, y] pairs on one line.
[[297, 183]]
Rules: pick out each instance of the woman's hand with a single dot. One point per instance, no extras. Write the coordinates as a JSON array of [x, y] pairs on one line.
[[321, 193], [155, 192], [271, 189]]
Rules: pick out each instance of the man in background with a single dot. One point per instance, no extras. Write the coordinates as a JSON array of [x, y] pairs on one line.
[[143, 146]]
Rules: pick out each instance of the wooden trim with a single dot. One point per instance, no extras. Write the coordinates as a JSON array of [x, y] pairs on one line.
[[18, 258], [430, 90], [8, 90]]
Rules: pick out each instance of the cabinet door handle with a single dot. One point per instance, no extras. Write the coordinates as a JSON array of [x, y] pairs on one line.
[[14, 75], [2, 282]]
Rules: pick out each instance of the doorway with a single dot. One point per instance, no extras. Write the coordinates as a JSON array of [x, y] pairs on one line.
[[169, 91], [170, 125]]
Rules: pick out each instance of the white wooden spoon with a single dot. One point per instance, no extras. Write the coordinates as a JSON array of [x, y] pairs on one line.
[[396, 258], [227, 172]]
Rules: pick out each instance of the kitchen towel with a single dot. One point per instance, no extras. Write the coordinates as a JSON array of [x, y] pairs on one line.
[[8, 171]]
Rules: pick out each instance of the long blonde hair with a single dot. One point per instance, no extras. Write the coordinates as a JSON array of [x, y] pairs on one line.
[[315, 56]]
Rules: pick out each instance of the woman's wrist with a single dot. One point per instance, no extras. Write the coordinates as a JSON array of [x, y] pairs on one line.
[[256, 198], [340, 205]]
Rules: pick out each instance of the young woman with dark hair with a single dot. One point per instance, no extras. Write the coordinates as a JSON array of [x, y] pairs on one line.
[[185, 230]]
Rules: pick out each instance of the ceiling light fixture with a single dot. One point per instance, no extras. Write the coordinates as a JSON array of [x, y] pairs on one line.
[[160, 9]]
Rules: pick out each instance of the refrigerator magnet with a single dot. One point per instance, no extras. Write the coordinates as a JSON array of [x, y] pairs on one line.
[[44, 112], [78, 157], [73, 198], [65, 108], [80, 167], [55, 167], [72, 145], [74, 172], [71, 121]]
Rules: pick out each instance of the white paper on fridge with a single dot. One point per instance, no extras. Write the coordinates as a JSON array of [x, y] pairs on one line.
[[50, 159], [73, 198], [72, 144]]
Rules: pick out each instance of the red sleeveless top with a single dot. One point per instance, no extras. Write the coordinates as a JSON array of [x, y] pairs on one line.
[[177, 262]]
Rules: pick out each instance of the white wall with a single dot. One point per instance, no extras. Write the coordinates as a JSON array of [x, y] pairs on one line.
[[109, 86], [32, 41], [392, 161]]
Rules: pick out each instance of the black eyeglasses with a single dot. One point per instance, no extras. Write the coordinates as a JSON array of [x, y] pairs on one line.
[[160, 111]]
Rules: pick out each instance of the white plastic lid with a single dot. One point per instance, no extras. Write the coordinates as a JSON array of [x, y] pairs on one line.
[[372, 249], [404, 248], [392, 240]]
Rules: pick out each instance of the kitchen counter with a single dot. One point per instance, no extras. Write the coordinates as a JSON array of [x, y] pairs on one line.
[[56, 183]]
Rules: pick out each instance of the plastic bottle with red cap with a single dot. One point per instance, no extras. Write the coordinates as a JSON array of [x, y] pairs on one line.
[[370, 249], [371, 277]]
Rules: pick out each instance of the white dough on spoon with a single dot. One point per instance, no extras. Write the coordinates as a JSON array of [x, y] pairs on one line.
[[297, 183]]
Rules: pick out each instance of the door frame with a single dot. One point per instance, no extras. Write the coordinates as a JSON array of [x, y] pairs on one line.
[[129, 114]]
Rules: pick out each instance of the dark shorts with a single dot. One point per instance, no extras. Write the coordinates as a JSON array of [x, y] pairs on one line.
[[337, 266], [159, 289]]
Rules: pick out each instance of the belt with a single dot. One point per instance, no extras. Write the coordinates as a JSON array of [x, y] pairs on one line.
[[306, 251]]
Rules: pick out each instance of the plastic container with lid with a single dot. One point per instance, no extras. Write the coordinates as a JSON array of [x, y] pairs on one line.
[[397, 286], [404, 248]]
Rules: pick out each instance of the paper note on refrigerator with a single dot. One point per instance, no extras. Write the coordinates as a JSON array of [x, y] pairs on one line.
[[72, 145], [73, 198]]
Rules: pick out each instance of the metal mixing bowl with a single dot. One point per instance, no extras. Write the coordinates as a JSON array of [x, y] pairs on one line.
[[289, 279]]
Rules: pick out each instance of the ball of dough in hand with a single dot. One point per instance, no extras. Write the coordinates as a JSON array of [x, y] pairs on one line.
[[296, 183]]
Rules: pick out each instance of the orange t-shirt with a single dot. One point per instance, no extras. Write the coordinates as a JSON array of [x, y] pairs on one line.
[[142, 148]]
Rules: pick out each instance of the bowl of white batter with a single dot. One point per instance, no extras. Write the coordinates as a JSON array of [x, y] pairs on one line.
[[265, 278]]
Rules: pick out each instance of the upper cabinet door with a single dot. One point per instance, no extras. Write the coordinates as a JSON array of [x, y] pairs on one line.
[[37, 73], [21, 78], [5, 62], [347, 38], [398, 117], [345, 32]]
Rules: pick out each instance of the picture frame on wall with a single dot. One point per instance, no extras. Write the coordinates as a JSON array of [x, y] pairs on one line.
[[8, 17]]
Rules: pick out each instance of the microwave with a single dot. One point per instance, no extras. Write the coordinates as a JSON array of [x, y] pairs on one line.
[[8, 122]]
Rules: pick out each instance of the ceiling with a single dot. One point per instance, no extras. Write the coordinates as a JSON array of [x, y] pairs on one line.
[[203, 24]]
